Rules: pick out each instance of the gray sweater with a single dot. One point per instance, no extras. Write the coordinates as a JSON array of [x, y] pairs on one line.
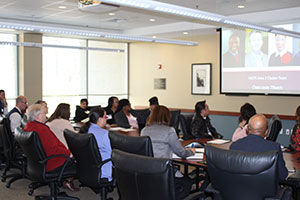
[[165, 141]]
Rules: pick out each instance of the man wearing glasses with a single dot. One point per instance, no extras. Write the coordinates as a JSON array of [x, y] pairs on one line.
[[16, 114]]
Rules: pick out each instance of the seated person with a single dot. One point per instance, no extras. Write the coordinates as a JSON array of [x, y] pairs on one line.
[[201, 126], [17, 113], [59, 121], [165, 141], [247, 111], [51, 145], [153, 101], [164, 138], [96, 126], [82, 111], [44, 104], [257, 129], [295, 137], [125, 117], [111, 109], [3, 103]]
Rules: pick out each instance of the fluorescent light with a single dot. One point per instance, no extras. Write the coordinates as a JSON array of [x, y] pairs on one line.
[[111, 14], [94, 34], [152, 20], [156, 6], [241, 6], [154, 36], [30, 44], [185, 33], [62, 7]]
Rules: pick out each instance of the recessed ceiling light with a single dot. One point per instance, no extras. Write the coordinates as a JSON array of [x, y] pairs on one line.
[[152, 20], [185, 33], [62, 7], [241, 6], [111, 14], [153, 36]]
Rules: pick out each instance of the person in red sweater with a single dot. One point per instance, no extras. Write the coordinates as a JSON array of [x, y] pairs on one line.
[[51, 144]]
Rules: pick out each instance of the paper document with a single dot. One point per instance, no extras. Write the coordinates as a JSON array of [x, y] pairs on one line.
[[197, 156], [121, 129], [218, 141], [199, 150]]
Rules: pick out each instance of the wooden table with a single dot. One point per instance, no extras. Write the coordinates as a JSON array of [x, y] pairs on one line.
[[135, 132]]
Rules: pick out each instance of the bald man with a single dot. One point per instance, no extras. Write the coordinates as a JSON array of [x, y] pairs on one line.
[[17, 113], [257, 129]]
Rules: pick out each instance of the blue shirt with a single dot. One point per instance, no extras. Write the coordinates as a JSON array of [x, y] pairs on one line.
[[103, 142]]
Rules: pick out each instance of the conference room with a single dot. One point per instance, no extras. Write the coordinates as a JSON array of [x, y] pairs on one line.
[[77, 63]]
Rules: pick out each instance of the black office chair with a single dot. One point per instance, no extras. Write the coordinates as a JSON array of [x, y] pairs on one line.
[[142, 116], [140, 145], [89, 162], [36, 165], [237, 175], [23, 122], [275, 126], [175, 119], [13, 160], [145, 178], [185, 126]]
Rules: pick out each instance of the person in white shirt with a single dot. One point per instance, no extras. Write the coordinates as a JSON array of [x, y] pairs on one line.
[[16, 114]]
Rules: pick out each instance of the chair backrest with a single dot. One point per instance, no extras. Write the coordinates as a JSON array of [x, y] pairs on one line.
[[242, 175], [142, 115], [85, 151], [32, 146], [7, 138], [175, 118], [140, 145], [23, 122], [185, 126], [275, 126], [142, 177]]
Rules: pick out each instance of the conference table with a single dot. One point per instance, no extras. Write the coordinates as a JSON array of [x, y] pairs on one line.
[[291, 161], [129, 132]]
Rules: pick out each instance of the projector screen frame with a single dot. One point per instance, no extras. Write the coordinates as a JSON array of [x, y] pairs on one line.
[[241, 93]]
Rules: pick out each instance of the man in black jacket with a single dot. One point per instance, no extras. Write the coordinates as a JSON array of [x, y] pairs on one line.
[[201, 126]]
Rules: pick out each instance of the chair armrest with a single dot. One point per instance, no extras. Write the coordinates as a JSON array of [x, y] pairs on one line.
[[68, 159], [195, 196], [103, 162]]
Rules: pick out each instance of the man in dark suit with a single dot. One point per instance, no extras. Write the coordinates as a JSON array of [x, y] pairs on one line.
[[255, 142], [200, 125], [233, 57]]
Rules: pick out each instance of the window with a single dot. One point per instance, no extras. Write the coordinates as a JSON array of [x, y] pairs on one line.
[[8, 68], [107, 72], [71, 74]]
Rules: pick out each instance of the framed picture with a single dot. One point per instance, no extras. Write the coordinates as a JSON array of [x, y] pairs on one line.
[[201, 78]]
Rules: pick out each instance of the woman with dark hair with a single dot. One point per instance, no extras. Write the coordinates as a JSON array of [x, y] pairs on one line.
[[295, 137], [246, 112], [59, 121], [165, 142], [125, 117], [111, 109], [96, 126]]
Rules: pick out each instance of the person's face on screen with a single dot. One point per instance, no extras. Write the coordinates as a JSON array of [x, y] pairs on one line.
[[280, 41], [256, 41], [234, 44]]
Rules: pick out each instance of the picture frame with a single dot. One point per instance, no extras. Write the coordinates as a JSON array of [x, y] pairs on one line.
[[201, 78]]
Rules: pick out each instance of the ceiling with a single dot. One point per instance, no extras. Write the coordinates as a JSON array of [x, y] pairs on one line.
[[136, 22]]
